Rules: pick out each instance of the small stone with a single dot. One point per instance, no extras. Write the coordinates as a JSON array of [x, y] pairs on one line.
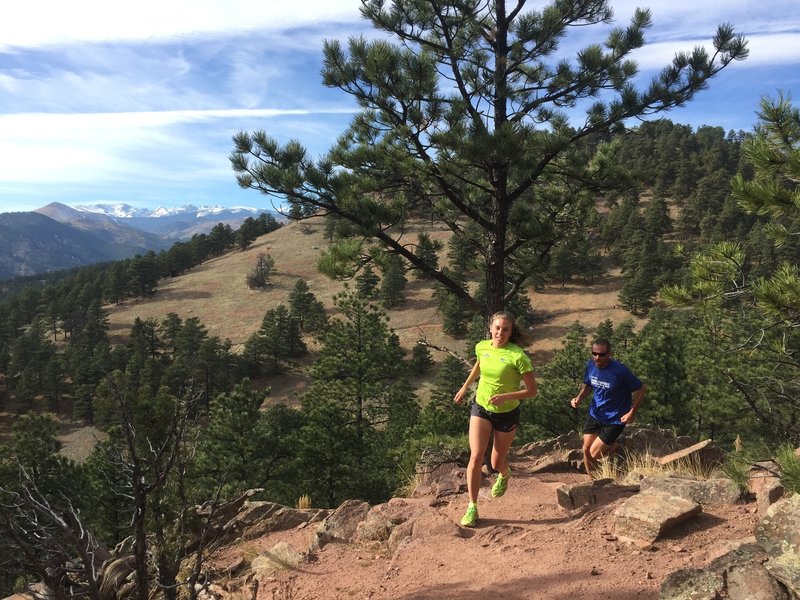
[[677, 548], [595, 571], [648, 575], [611, 538]]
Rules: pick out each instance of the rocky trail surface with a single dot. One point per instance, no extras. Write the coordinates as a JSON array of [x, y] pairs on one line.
[[526, 546]]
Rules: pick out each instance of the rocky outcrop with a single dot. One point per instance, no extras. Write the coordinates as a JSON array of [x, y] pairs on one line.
[[738, 575], [767, 569], [764, 481], [779, 534], [341, 525], [399, 522], [703, 491], [644, 517], [584, 495]]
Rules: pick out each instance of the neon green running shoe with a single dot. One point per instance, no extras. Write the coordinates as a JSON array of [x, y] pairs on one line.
[[470, 518], [500, 485]]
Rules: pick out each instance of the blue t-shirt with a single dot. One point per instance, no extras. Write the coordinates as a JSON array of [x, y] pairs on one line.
[[613, 387]]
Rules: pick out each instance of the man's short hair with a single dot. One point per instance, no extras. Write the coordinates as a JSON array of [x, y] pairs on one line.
[[602, 342]]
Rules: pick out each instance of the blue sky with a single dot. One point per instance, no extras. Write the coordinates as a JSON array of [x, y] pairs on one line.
[[137, 102]]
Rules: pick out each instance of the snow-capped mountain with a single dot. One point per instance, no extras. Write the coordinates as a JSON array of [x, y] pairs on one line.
[[58, 236], [118, 210], [173, 222], [126, 211]]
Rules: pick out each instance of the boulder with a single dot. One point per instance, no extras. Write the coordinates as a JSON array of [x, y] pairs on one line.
[[768, 495], [564, 460], [568, 441], [767, 568], [703, 491], [382, 519], [691, 584], [440, 480], [779, 534], [281, 519], [427, 523], [647, 515], [342, 524], [401, 521], [779, 531], [576, 495], [738, 575], [764, 480]]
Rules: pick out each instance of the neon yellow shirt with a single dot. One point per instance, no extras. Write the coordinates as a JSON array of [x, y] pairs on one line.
[[501, 372]]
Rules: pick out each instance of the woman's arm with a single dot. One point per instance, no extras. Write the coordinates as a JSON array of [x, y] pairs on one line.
[[473, 375], [529, 391]]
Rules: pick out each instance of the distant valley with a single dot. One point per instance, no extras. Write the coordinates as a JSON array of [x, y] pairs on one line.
[[57, 236]]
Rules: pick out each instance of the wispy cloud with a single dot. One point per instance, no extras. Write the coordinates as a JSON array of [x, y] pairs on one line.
[[138, 101], [75, 147], [52, 22]]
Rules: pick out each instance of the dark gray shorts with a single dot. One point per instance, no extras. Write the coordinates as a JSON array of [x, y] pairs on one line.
[[608, 432], [505, 422]]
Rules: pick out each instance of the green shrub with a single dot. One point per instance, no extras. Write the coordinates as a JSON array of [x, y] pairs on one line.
[[790, 468]]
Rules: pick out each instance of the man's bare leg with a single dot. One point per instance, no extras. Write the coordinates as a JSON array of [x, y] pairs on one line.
[[588, 462]]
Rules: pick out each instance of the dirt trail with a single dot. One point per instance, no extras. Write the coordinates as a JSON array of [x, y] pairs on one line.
[[524, 547]]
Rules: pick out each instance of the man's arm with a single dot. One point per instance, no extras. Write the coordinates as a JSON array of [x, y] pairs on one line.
[[638, 396], [584, 391]]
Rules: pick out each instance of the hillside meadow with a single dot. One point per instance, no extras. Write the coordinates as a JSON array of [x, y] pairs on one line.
[[217, 294]]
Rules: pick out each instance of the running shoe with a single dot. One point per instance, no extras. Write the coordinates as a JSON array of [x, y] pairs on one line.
[[500, 485], [470, 518]]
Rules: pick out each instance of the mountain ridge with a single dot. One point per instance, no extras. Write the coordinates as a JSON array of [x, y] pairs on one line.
[[89, 234]]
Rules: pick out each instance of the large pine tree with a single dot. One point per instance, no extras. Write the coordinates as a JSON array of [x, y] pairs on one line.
[[360, 386], [472, 114]]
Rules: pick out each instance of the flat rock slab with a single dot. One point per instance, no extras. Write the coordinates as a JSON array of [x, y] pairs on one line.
[[704, 491], [647, 515]]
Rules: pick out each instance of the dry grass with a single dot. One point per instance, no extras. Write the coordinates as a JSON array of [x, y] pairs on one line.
[[269, 562], [636, 465]]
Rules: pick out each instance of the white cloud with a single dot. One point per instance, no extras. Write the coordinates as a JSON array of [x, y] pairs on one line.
[[52, 22], [142, 98], [51, 148], [779, 49]]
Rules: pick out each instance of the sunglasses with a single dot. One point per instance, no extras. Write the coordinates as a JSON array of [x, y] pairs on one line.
[[601, 354]]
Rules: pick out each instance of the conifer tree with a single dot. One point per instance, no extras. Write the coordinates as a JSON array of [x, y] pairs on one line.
[[247, 233], [359, 384], [40, 506], [454, 316], [441, 416], [367, 282], [305, 308], [421, 359], [735, 308], [393, 283], [434, 138], [276, 340], [244, 447], [259, 276], [550, 414], [426, 252]]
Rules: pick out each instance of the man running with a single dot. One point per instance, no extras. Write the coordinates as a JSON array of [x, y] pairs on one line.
[[618, 393]]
